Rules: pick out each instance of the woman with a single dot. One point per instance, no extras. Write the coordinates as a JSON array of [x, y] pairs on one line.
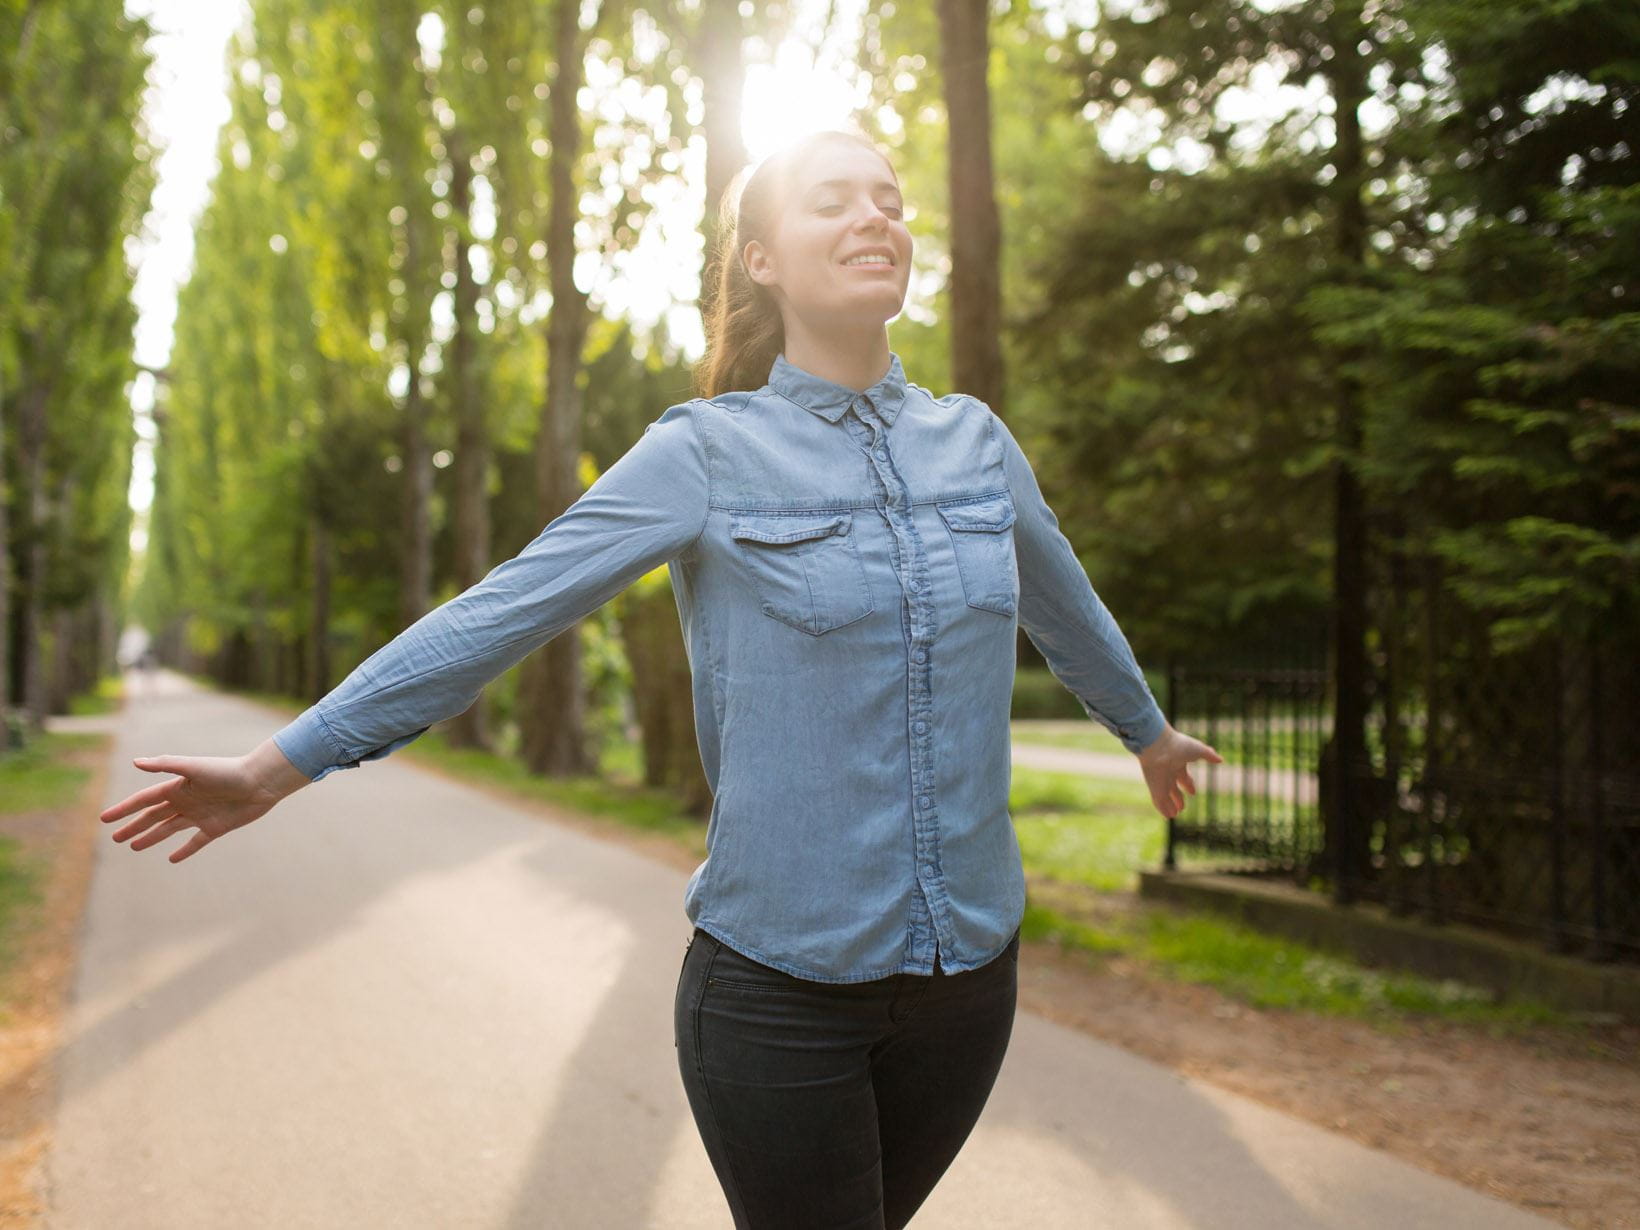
[[851, 557]]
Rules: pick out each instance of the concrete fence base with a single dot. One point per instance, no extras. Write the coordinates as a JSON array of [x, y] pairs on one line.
[[1510, 968]]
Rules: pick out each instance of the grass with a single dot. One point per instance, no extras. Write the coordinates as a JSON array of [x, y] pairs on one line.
[[104, 698], [36, 777], [1085, 830], [1091, 831], [1271, 972], [21, 878]]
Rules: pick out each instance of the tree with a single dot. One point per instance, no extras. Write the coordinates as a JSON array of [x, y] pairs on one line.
[[74, 178], [976, 240]]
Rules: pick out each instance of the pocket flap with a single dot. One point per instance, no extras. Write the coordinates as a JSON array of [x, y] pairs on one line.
[[992, 513], [788, 527]]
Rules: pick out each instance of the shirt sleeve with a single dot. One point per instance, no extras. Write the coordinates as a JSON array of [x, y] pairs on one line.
[[646, 509], [1066, 620]]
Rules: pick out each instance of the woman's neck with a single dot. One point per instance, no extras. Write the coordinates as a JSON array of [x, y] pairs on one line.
[[855, 363]]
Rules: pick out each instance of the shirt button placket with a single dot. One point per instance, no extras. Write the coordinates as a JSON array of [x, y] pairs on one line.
[[912, 563]]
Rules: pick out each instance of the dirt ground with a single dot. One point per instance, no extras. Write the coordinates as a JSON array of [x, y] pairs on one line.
[[1548, 1120], [36, 988]]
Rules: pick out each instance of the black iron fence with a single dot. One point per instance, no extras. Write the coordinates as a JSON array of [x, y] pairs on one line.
[[1501, 790]]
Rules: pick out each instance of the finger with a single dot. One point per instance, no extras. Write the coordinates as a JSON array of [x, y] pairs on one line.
[[160, 832], [1189, 782], [134, 802], [164, 810], [194, 845]]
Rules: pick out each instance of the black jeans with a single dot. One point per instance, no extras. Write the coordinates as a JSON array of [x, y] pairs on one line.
[[835, 1106]]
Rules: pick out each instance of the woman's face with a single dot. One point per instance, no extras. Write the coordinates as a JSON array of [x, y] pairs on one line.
[[843, 203]]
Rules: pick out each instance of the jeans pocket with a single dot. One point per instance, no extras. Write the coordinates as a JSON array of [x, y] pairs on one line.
[[733, 970], [980, 536]]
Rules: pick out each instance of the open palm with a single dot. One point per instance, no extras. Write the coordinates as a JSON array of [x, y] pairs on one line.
[[214, 794]]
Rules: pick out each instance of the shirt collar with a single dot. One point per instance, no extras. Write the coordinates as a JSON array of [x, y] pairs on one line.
[[830, 400]]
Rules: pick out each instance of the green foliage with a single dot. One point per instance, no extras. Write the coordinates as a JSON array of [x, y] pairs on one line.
[[1194, 291], [75, 176]]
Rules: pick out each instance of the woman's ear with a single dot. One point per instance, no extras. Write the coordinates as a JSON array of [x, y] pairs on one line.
[[758, 266]]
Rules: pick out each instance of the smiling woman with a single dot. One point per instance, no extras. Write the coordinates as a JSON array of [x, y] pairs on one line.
[[817, 263], [852, 556]]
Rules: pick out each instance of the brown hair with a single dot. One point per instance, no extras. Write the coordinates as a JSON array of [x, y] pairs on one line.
[[744, 328]]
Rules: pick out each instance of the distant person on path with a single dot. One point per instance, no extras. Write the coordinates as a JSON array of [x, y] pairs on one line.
[[851, 557]]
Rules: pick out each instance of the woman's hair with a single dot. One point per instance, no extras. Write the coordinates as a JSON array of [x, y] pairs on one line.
[[744, 328]]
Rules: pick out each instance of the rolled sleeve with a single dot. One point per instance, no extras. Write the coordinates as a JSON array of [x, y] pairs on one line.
[[1066, 620], [645, 510]]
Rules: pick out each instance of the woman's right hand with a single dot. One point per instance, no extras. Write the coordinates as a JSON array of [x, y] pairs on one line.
[[214, 794]]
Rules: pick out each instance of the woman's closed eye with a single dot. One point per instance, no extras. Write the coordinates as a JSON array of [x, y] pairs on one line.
[[893, 211]]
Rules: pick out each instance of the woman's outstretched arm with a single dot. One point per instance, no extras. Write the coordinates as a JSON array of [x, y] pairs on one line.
[[646, 509], [1082, 643]]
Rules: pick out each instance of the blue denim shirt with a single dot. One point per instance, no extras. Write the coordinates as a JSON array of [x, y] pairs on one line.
[[849, 569]]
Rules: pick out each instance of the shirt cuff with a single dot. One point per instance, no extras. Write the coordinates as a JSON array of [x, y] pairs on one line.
[[310, 745], [1136, 735]]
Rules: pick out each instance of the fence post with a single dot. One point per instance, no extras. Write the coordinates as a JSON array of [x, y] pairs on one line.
[[1557, 807], [1169, 862]]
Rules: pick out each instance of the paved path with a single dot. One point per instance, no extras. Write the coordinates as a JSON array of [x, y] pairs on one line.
[[393, 1002]]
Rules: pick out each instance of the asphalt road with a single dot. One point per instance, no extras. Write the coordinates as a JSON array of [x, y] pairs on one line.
[[394, 1002]]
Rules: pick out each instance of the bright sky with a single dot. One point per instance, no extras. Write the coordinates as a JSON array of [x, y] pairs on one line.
[[186, 103]]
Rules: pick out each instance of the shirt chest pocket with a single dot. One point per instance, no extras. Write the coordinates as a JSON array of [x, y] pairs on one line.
[[805, 567], [984, 544]]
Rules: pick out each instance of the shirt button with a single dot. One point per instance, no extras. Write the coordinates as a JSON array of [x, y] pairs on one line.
[[924, 801], [922, 655], [913, 584], [920, 727], [883, 453]]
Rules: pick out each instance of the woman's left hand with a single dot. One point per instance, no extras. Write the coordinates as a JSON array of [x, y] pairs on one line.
[[1166, 765]]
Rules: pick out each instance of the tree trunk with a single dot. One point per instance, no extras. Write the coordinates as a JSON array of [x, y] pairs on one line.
[[661, 694], [318, 681], [472, 497], [5, 573], [976, 232], [717, 54], [31, 475], [552, 717], [417, 566]]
